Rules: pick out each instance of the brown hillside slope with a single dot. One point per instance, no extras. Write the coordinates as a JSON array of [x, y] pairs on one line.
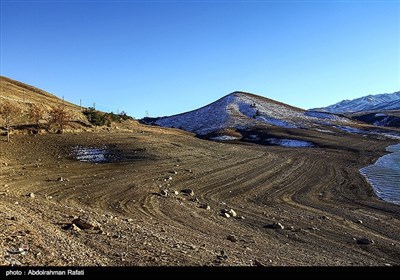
[[23, 96]]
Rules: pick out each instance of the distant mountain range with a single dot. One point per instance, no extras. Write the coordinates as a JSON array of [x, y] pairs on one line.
[[379, 102]]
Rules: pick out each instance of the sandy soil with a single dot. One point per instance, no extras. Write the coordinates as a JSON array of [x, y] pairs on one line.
[[316, 194]]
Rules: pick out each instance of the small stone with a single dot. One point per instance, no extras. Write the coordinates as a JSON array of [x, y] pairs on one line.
[[129, 220], [240, 218], [365, 241], [174, 172], [232, 213], [258, 263], [60, 179], [83, 224], [232, 238], [205, 206], [169, 178], [176, 193], [226, 215], [359, 222], [188, 192], [164, 193], [275, 226], [75, 228], [32, 195]]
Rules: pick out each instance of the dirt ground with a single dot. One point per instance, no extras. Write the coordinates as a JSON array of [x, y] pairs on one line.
[[294, 206]]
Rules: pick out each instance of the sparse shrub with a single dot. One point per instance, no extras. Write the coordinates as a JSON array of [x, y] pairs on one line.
[[59, 116], [8, 112], [35, 114], [95, 117], [99, 118]]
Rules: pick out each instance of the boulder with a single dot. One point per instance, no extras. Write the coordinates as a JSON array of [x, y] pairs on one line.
[[85, 224], [232, 238], [188, 192], [275, 226], [365, 241], [164, 193]]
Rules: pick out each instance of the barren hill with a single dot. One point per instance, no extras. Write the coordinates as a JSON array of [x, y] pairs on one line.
[[22, 96]]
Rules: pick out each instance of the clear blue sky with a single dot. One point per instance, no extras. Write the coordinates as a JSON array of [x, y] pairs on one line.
[[168, 57]]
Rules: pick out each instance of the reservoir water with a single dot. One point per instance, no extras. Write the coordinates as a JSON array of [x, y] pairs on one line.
[[384, 175]]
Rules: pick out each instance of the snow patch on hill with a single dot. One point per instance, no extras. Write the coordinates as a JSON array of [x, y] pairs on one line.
[[242, 111]]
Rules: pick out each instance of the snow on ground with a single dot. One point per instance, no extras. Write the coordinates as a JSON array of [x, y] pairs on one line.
[[382, 122], [351, 129], [224, 138], [242, 111], [275, 122], [290, 143], [324, 130], [88, 154]]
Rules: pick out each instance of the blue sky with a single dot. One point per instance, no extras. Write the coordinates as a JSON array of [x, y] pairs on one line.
[[167, 57]]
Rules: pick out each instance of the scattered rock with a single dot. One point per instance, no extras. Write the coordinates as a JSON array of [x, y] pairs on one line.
[[240, 217], [84, 224], [176, 192], [222, 255], [174, 172], [61, 179], [205, 206], [164, 193], [359, 222], [258, 263], [194, 199], [226, 215], [275, 226], [188, 192], [75, 228], [32, 195], [313, 228], [365, 241], [232, 213], [169, 178], [232, 238]]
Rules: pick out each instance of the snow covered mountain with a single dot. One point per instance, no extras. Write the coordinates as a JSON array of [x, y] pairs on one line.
[[241, 110], [387, 101]]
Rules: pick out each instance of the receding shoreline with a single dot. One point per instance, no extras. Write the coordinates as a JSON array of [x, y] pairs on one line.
[[384, 175]]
